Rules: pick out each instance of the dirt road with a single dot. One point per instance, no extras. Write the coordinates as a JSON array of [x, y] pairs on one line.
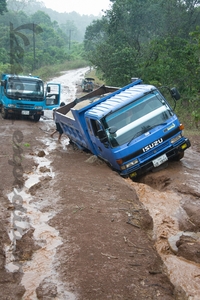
[[73, 229]]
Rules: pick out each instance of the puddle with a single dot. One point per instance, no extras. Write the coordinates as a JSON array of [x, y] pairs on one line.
[[27, 214]]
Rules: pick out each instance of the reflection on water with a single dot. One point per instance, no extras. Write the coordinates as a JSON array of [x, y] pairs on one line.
[[40, 266]]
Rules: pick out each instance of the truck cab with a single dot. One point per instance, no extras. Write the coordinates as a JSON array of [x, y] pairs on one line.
[[133, 129], [141, 132]]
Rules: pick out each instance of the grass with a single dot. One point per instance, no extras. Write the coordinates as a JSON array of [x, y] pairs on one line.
[[51, 71], [26, 145]]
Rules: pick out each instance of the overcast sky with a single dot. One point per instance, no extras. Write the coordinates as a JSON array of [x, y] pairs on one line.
[[83, 7]]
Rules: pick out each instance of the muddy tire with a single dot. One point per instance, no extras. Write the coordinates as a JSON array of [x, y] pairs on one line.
[[4, 113], [36, 118], [179, 156]]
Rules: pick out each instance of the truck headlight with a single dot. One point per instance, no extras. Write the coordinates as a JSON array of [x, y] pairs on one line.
[[130, 164], [11, 105], [38, 107], [176, 138]]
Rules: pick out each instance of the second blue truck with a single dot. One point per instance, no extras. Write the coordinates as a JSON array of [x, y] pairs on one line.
[[22, 95]]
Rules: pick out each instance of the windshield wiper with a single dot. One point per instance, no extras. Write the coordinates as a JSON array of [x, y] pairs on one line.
[[155, 125], [144, 130]]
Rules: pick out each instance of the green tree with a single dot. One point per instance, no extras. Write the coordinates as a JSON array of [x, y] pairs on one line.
[[148, 39], [3, 7], [69, 29], [18, 5]]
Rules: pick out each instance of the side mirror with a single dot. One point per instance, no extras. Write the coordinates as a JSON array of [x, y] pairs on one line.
[[102, 136], [48, 89], [112, 129], [3, 83], [175, 94]]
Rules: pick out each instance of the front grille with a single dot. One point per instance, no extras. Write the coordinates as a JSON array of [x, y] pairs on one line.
[[154, 150], [25, 106], [165, 142]]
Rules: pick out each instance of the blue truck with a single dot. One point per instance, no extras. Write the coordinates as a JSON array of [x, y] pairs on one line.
[[27, 96], [133, 129]]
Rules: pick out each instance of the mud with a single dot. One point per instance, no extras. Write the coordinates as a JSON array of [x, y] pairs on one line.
[[71, 228]]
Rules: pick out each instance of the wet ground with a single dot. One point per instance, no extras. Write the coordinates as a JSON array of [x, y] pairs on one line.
[[73, 229], [172, 198]]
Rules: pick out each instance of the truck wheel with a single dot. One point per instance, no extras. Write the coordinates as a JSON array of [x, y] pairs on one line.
[[36, 118], [179, 156], [4, 113]]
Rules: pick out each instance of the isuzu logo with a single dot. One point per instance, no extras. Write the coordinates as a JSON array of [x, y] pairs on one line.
[[152, 145]]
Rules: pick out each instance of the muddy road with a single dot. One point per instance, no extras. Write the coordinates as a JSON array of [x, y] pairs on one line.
[[71, 228]]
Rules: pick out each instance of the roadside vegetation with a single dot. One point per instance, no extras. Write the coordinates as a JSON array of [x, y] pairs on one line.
[[48, 72]]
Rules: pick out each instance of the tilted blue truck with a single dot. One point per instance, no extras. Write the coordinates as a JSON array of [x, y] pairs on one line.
[[27, 96], [133, 129]]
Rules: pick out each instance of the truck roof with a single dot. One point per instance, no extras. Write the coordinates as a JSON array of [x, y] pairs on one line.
[[123, 97], [14, 76]]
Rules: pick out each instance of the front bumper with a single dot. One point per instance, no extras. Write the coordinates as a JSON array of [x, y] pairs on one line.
[[24, 112], [147, 166]]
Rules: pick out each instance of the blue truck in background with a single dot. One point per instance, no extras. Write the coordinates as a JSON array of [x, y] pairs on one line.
[[27, 96], [133, 129]]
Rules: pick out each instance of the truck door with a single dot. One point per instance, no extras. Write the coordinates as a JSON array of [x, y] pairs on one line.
[[102, 149], [52, 95]]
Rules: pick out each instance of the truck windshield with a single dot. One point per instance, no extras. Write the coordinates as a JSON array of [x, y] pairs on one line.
[[137, 118], [31, 89]]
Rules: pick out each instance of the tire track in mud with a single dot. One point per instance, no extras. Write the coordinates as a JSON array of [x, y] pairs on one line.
[[39, 266], [40, 271]]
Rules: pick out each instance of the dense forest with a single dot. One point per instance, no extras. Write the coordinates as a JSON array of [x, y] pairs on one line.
[[33, 36], [156, 40]]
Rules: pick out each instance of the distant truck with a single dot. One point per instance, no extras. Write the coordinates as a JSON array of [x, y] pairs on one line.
[[133, 129], [27, 96], [87, 84]]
